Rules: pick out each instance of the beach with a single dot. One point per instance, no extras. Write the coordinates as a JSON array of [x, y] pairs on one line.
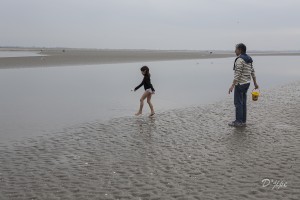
[[65, 57], [179, 154], [99, 150], [71, 57]]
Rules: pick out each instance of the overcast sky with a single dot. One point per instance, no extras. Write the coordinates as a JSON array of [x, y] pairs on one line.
[[151, 24]]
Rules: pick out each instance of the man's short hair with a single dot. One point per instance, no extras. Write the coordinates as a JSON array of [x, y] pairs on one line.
[[241, 47]]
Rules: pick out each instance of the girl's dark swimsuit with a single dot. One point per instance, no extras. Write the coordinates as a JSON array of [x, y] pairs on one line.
[[147, 84]]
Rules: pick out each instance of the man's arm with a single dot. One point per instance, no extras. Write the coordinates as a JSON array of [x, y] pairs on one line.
[[254, 78], [237, 73], [232, 86], [238, 69], [255, 83]]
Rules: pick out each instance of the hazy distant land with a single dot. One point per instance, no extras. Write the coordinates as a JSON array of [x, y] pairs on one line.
[[64, 57]]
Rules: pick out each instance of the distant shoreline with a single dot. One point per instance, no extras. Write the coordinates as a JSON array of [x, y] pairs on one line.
[[50, 57]]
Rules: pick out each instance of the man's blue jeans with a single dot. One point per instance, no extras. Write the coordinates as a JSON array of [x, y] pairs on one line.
[[240, 102]]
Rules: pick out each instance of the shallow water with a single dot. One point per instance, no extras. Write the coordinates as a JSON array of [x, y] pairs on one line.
[[187, 153], [6, 54], [74, 150], [38, 101]]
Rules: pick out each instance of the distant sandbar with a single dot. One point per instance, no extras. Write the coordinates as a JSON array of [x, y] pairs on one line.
[[71, 57]]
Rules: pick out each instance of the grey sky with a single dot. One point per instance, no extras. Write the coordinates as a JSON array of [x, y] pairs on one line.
[[151, 24]]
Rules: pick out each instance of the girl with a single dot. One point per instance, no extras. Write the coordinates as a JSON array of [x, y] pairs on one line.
[[149, 90]]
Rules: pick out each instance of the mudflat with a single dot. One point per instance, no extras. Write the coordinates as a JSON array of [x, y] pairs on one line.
[[70, 57], [188, 153]]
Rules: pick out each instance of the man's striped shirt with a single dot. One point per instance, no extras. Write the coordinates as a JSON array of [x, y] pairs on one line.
[[243, 71]]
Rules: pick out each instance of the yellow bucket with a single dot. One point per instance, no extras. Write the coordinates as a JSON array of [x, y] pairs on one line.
[[255, 95]]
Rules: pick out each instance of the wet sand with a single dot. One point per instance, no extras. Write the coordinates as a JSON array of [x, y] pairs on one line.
[[72, 57], [186, 153]]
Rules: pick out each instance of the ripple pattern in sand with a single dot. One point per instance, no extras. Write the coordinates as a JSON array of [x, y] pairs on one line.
[[180, 154]]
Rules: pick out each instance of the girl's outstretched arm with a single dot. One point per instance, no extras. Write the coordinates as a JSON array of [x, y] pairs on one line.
[[140, 85]]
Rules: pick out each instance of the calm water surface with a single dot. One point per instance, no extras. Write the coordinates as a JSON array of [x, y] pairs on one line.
[[5, 54], [42, 100]]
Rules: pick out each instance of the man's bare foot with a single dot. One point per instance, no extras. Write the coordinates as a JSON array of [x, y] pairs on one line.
[[152, 114], [138, 113]]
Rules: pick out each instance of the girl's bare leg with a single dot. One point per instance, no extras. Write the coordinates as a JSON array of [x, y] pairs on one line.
[[150, 104], [144, 96]]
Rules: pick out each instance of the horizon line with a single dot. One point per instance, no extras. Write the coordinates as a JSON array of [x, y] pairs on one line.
[[134, 49]]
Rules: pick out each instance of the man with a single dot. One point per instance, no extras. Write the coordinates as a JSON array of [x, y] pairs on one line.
[[243, 70]]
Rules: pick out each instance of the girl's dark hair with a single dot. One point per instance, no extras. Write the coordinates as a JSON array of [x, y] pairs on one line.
[[145, 68], [241, 47]]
